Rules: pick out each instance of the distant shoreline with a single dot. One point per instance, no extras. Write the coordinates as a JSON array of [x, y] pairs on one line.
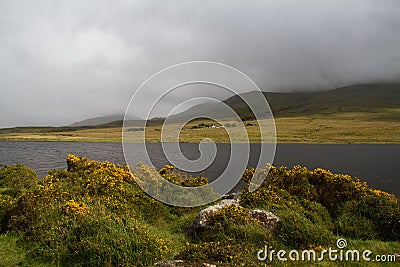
[[119, 141], [337, 128]]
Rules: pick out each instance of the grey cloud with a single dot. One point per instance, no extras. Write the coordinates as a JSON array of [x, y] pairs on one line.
[[63, 61]]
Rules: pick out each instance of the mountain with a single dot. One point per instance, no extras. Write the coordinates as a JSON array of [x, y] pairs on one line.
[[355, 98], [104, 120]]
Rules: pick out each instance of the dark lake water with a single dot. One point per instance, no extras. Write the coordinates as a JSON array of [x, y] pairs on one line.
[[378, 165]]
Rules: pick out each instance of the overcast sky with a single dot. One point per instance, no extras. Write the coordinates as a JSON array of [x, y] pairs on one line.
[[64, 61]]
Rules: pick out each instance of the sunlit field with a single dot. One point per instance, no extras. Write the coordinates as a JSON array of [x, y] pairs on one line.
[[351, 127]]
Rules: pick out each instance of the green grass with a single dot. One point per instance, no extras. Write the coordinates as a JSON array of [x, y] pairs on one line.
[[12, 254], [342, 128]]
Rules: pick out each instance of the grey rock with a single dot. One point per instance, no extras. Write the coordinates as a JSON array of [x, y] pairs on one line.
[[266, 218], [228, 202], [201, 220]]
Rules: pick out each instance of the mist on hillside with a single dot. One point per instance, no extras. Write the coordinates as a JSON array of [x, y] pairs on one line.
[[63, 62]]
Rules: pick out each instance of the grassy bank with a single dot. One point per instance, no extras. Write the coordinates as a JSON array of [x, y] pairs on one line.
[[94, 214], [342, 127]]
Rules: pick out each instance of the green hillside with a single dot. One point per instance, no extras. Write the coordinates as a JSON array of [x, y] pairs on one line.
[[356, 98], [367, 113], [103, 120]]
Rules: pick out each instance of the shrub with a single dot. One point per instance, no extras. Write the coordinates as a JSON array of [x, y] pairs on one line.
[[6, 204], [334, 190], [294, 181], [372, 216], [296, 230], [232, 237], [86, 215], [17, 178], [235, 223], [317, 214], [269, 198], [303, 222], [355, 226], [231, 215], [170, 173], [14, 180], [94, 213]]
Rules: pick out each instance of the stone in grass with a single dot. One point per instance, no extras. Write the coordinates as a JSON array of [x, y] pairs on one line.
[[266, 218]]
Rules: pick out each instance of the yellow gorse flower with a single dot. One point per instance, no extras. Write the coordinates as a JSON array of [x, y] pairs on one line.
[[76, 209]]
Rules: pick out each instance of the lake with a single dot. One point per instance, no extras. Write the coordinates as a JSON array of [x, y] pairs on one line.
[[377, 164]]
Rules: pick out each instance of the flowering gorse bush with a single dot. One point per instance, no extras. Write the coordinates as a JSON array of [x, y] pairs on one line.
[[95, 214], [323, 200], [76, 209], [170, 173], [87, 215]]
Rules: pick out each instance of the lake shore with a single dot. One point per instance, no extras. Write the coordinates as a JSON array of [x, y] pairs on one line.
[[375, 163], [340, 128]]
